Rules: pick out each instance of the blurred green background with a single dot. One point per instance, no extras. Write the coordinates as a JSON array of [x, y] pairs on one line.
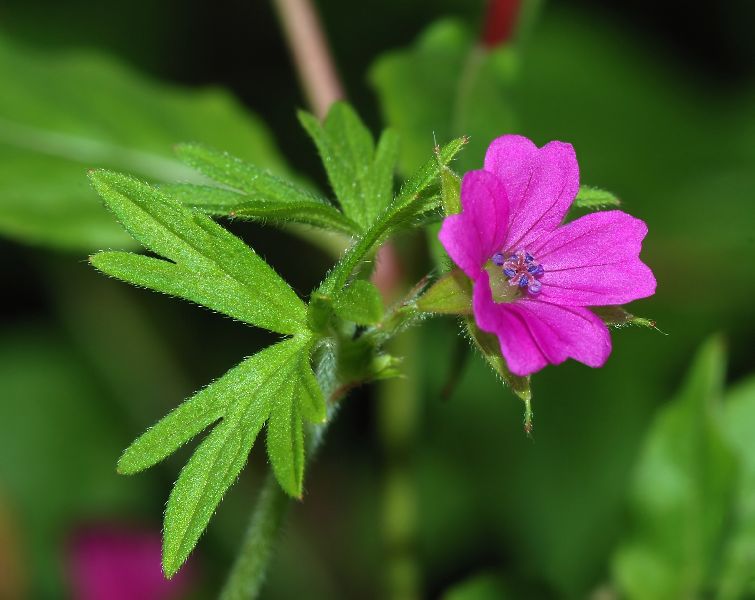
[[630, 487]]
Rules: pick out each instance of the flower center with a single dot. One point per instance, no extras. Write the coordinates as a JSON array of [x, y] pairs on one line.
[[521, 269]]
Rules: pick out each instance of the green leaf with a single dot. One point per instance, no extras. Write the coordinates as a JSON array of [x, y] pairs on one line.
[[185, 422], [446, 85], [65, 111], [361, 303], [618, 317], [257, 194], [407, 204], [274, 386], [681, 492], [206, 263], [361, 176], [592, 198], [450, 295], [219, 202], [285, 443], [735, 579]]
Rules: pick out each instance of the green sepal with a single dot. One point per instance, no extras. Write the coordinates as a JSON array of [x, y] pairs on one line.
[[320, 313], [360, 303], [450, 187], [592, 198], [490, 349], [618, 317], [450, 295]]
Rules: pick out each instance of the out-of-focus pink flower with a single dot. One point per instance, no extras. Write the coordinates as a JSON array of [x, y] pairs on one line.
[[534, 277], [118, 563]]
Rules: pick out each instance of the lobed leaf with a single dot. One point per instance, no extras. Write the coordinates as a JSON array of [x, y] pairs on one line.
[[258, 194], [276, 386], [209, 265], [406, 205], [360, 175], [220, 202]]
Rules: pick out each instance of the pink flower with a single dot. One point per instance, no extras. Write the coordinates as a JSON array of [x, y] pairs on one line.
[[533, 276], [116, 562]]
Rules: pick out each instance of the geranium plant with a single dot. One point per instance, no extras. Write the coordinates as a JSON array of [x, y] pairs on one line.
[[526, 278]]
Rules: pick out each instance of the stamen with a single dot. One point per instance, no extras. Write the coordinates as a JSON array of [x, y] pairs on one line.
[[521, 269]]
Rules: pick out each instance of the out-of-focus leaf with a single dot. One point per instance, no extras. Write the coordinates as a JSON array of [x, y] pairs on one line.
[[444, 86], [682, 491], [257, 194], [59, 435], [360, 173], [276, 386], [205, 262], [361, 303], [736, 576], [485, 586], [61, 114]]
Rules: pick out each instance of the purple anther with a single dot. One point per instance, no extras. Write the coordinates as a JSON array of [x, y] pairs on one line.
[[522, 270], [498, 259], [535, 270]]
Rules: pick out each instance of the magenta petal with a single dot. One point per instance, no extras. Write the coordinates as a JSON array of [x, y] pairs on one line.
[[533, 333], [472, 237], [510, 158], [523, 355], [594, 261], [541, 185]]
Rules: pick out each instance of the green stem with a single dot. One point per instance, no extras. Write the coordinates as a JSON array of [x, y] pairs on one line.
[[248, 572], [398, 419]]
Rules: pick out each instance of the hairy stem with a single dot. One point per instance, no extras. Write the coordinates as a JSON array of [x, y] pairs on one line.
[[314, 64], [248, 572], [398, 407], [268, 516]]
